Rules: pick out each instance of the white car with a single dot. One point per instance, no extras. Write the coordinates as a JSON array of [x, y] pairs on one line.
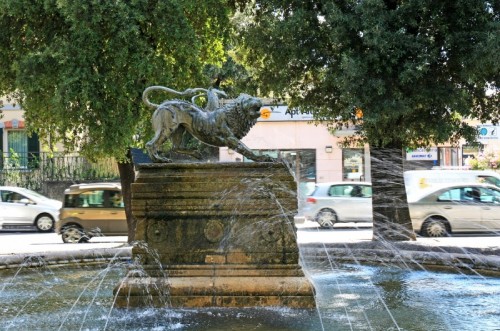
[[466, 207], [23, 208], [343, 202]]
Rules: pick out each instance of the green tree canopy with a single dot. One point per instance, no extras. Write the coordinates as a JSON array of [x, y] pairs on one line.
[[415, 68], [79, 67]]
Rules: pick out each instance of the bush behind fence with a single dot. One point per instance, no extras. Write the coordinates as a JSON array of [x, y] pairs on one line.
[[31, 170]]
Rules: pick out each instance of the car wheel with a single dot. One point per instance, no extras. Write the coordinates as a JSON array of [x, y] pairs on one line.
[[326, 218], [44, 223], [74, 234], [434, 227]]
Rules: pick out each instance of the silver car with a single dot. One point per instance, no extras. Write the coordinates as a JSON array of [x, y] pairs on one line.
[[335, 202], [466, 207], [23, 208]]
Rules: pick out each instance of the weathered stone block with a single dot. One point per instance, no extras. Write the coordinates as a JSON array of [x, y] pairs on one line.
[[217, 234]]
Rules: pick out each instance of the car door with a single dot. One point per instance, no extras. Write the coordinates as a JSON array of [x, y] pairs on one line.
[[16, 208], [490, 209], [3, 210], [115, 213], [461, 207], [91, 210], [353, 202]]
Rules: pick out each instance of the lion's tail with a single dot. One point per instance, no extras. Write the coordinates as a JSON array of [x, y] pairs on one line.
[[153, 88], [190, 91]]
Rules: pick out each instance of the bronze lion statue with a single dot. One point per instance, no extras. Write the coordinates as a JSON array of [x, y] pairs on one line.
[[215, 126]]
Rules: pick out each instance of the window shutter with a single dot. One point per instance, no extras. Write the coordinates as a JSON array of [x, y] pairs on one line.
[[1, 148], [33, 151]]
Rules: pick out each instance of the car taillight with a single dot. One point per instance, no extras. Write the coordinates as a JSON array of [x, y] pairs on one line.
[[311, 200]]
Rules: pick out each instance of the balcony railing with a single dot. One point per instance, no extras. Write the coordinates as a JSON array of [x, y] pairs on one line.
[[32, 169]]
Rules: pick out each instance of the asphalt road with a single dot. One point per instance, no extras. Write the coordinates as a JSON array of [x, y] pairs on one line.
[[308, 232]]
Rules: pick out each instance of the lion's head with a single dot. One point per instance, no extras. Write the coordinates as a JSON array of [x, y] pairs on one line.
[[242, 114], [250, 105]]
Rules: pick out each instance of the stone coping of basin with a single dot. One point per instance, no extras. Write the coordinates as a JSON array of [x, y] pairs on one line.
[[408, 253], [205, 165], [365, 252], [87, 256]]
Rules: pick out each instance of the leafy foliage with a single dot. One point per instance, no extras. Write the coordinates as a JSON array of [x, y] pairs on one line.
[[417, 69], [406, 73], [79, 67]]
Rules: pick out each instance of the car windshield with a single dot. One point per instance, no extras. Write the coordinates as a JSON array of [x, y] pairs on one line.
[[33, 193], [490, 180]]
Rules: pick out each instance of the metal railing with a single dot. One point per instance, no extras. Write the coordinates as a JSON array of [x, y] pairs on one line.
[[30, 170]]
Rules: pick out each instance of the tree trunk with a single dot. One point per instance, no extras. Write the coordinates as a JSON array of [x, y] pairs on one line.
[[127, 177], [391, 216]]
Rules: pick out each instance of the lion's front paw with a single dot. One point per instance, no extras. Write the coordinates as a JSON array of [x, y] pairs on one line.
[[160, 159], [265, 158]]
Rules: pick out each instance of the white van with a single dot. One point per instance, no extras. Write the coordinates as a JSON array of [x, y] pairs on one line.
[[416, 180]]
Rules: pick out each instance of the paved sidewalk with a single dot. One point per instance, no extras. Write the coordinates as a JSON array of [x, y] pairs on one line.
[[309, 232], [37, 249], [16, 243]]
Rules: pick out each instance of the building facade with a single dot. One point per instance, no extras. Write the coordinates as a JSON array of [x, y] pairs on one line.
[[17, 148], [314, 154]]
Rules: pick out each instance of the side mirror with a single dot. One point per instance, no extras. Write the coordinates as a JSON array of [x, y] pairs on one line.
[[25, 201]]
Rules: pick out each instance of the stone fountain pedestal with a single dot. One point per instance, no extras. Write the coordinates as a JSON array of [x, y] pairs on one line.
[[216, 235]]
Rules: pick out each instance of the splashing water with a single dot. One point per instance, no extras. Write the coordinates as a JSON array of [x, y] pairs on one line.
[[349, 297]]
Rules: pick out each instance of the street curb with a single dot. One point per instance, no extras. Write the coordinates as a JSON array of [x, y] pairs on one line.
[[87, 256], [396, 253]]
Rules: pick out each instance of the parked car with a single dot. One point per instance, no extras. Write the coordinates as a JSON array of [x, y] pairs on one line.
[[418, 180], [467, 207], [23, 208], [91, 210], [336, 202]]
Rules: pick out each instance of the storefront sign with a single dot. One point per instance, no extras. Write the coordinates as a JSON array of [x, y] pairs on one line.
[[422, 154], [488, 132], [282, 113]]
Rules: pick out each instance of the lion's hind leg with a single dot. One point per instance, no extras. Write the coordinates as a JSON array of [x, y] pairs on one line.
[[178, 143], [153, 146], [164, 125]]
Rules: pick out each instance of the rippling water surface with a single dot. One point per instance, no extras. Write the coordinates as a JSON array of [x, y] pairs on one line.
[[349, 297]]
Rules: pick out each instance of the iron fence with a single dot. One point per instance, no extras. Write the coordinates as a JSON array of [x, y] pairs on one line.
[[31, 170]]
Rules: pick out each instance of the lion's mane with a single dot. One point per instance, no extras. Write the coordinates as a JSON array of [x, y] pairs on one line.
[[232, 114]]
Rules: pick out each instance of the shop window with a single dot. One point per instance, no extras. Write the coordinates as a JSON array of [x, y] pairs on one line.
[[302, 162], [448, 156], [353, 161], [470, 153], [303, 166]]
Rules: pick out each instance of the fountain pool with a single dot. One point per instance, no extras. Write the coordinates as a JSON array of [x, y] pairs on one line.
[[349, 297]]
